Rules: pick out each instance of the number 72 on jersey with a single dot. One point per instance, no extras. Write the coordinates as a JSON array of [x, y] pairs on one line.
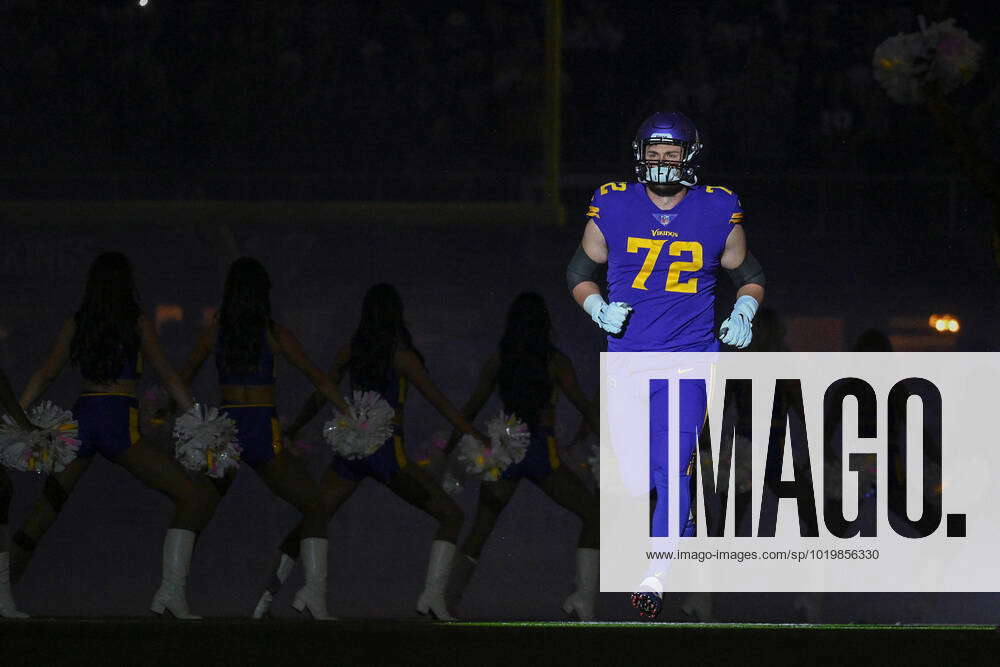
[[675, 249]]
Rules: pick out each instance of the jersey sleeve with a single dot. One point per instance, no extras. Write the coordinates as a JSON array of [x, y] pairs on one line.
[[594, 209], [604, 205], [736, 215]]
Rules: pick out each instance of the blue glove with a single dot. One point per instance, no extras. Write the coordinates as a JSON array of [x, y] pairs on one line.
[[736, 330], [608, 316]]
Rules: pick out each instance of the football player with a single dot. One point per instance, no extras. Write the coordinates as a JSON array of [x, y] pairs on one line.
[[664, 238]]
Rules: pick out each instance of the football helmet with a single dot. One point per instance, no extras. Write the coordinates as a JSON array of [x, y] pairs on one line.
[[667, 127]]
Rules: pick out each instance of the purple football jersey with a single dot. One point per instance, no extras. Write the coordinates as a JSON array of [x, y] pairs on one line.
[[664, 263]]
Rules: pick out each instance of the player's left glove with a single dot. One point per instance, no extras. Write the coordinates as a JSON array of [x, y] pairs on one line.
[[736, 330], [609, 316]]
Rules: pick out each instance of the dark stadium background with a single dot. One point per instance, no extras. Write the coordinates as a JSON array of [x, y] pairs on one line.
[[354, 142]]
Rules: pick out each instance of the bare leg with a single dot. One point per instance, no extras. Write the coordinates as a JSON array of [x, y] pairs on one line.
[[308, 539], [213, 489], [193, 503], [567, 490], [334, 491], [43, 514], [7, 607], [288, 479], [493, 498], [417, 488], [220, 485]]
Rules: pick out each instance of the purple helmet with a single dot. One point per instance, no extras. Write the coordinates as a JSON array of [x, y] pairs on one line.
[[667, 127]]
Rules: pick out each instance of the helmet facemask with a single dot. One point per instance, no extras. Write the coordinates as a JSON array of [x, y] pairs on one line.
[[666, 172]]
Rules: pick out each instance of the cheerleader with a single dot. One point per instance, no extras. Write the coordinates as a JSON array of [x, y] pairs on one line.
[[528, 372], [381, 357], [108, 339], [10, 405], [245, 341]]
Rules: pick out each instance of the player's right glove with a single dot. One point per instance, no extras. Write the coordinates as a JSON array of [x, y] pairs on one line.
[[608, 316]]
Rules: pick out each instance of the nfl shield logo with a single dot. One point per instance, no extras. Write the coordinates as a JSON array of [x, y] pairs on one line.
[[664, 218]]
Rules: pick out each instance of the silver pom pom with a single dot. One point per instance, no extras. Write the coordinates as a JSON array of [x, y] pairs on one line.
[[941, 54], [49, 449], [206, 441], [362, 433], [509, 440]]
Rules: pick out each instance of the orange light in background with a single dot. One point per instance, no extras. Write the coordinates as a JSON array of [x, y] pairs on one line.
[[168, 312], [944, 323]]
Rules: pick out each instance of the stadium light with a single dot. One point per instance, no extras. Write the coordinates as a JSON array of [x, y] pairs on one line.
[[944, 323]]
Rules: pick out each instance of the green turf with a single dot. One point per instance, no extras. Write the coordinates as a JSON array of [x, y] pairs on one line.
[[718, 626]]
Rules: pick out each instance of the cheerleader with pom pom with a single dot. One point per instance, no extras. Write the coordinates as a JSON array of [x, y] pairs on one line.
[[48, 447], [922, 68], [108, 338], [362, 431], [940, 56], [510, 439], [528, 372], [9, 404], [245, 341], [381, 358]]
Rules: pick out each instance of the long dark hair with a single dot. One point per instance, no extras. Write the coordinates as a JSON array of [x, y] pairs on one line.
[[106, 321], [245, 311], [526, 349], [380, 333]]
